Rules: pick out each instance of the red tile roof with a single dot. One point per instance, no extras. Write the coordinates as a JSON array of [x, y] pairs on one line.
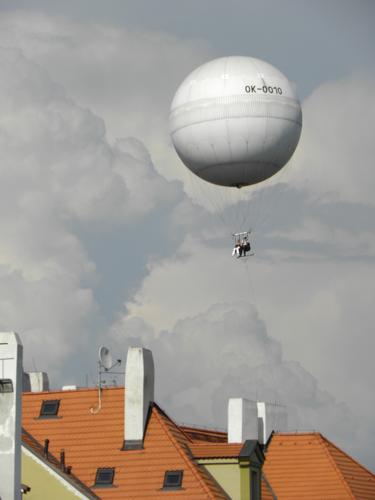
[[307, 465], [95, 440]]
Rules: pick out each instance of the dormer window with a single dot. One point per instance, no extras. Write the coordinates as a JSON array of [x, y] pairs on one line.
[[49, 408], [104, 476], [173, 479]]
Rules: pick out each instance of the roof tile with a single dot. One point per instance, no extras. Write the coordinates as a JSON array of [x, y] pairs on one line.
[[215, 450], [307, 466], [95, 440]]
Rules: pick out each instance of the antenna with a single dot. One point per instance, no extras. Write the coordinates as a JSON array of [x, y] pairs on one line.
[[105, 358], [105, 365]]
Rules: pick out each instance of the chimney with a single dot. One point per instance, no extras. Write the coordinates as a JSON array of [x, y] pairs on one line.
[[271, 417], [10, 415], [254, 420], [139, 395], [38, 381], [242, 420]]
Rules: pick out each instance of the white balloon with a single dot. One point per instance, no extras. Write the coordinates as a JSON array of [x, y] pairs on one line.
[[235, 121]]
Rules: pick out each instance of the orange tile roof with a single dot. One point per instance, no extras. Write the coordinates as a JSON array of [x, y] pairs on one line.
[[206, 435], [51, 461], [95, 440], [267, 492], [361, 481], [307, 465], [215, 450]]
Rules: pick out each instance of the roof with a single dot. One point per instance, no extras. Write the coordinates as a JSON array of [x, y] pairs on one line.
[[267, 491], [216, 450], [31, 444], [94, 440], [308, 462], [206, 435]]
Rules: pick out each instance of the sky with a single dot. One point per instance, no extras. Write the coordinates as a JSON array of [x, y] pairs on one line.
[[107, 240]]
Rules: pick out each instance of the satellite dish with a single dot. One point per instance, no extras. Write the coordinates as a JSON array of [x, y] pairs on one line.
[[105, 358]]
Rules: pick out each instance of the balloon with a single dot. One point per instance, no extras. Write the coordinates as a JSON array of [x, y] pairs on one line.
[[235, 121]]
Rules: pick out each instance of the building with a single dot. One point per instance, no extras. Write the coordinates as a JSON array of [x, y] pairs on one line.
[[308, 465], [172, 460], [116, 442]]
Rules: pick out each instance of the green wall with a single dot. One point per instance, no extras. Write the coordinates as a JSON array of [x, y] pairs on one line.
[[44, 485], [227, 473]]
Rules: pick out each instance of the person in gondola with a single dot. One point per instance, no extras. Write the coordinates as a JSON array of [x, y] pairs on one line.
[[245, 246], [237, 250]]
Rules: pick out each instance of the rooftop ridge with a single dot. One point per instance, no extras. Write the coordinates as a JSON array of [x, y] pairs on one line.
[[268, 486], [335, 466], [192, 466], [78, 389], [177, 427], [311, 432], [348, 456], [178, 447]]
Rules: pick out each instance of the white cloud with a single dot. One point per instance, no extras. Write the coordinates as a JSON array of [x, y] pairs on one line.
[[57, 171], [312, 283], [335, 155], [226, 352], [312, 276], [126, 76]]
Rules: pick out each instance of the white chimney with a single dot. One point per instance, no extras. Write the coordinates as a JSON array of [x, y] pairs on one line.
[[139, 394], [271, 417], [254, 420], [242, 420], [36, 382], [10, 415]]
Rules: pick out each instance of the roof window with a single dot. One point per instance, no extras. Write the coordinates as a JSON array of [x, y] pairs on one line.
[[173, 479], [104, 476], [49, 408]]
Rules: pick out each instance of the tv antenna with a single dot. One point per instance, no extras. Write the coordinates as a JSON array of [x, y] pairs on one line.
[[105, 365]]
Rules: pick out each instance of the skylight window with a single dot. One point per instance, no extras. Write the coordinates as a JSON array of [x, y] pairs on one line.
[[49, 408], [104, 476], [173, 479]]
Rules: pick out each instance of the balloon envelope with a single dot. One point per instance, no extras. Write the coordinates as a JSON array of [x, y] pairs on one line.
[[235, 121]]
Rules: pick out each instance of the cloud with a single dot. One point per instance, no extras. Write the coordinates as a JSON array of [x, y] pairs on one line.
[[335, 154], [127, 76], [224, 352], [306, 295], [58, 171], [311, 279]]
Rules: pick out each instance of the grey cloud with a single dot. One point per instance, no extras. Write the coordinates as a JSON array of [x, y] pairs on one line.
[[311, 41]]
